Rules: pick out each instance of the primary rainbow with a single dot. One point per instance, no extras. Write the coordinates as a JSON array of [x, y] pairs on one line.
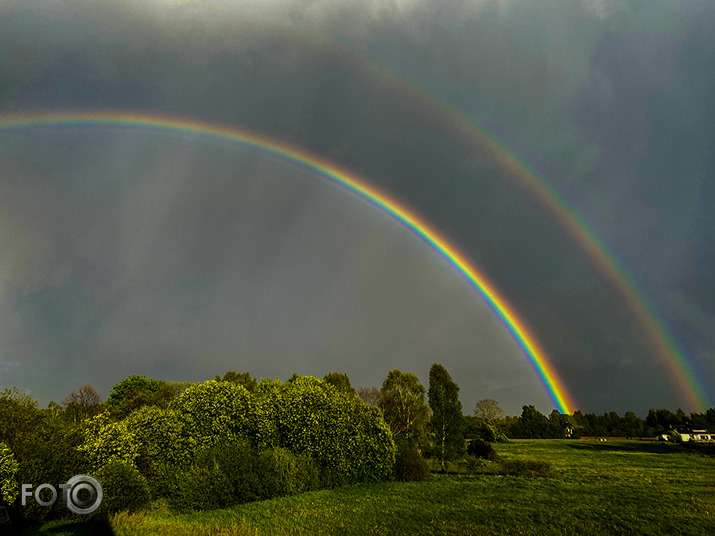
[[540, 362]]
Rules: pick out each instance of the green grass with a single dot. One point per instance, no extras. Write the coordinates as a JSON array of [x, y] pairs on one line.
[[619, 487]]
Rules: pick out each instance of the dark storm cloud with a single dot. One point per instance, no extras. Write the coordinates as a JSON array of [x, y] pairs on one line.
[[133, 261]]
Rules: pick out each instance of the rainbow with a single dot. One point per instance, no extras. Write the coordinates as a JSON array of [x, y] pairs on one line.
[[663, 343], [337, 175]]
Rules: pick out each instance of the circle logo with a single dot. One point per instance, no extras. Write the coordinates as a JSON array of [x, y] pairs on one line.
[[92, 498]]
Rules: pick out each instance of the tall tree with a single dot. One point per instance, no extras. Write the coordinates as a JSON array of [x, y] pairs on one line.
[[136, 391], [243, 378], [447, 422], [403, 405], [341, 381]]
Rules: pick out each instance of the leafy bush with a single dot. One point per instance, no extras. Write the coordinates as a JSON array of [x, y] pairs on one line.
[[410, 465], [348, 439], [277, 472], [234, 473], [9, 488], [216, 412], [199, 488], [106, 441], [123, 486], [526, 468], [482, 449], [162, 445]]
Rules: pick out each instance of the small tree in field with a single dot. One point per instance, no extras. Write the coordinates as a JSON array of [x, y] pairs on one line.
[[447, 422]]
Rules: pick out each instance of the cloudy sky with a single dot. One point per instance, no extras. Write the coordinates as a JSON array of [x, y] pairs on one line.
[[135, 251]]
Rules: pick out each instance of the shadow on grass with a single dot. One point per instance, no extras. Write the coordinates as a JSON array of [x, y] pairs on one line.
[[99, 526], [652, 447]]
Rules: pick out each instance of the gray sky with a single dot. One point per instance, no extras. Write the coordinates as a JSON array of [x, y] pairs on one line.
[[128, 251]]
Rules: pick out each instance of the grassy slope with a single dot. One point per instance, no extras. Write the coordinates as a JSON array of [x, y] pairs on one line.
[[600, 488]]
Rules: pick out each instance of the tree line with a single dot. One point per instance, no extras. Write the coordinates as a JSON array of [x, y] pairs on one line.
[[234, 439], [225, 441]]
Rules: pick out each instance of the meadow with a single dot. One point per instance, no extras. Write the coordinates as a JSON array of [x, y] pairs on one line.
[[613, 487]]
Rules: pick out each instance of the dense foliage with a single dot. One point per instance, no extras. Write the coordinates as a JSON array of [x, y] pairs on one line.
[[232, 440], [8, 470], [447, 422], [216, 412], [124, 487], [346, 437]]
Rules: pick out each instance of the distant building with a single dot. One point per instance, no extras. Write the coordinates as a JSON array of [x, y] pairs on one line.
[[689, 434]]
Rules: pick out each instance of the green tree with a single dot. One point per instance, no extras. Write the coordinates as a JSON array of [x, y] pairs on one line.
[[135, 392], [348, 439], [218, 411], [710, 415], [162, 444], [404, 408], [661, 419], [9, 487], [106, 440], [340, 381], [535, 425], [447, 421], [243, 378], [19, 416], [54, 410], [45, 448]]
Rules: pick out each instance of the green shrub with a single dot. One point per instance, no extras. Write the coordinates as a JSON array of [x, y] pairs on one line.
[[123, 486], [48, 454], [234, 473], [276, 472], [106, 441], [237, 462], [482, 449], [474, 463], [410, 465], [162, 446], [199, 488], [216, 412], [348, 439]]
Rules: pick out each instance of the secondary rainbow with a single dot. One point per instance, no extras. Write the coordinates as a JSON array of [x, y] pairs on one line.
[[661, 340], [359, 186]]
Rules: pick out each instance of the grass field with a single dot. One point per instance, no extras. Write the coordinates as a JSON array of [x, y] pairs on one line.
[[615, 487]]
